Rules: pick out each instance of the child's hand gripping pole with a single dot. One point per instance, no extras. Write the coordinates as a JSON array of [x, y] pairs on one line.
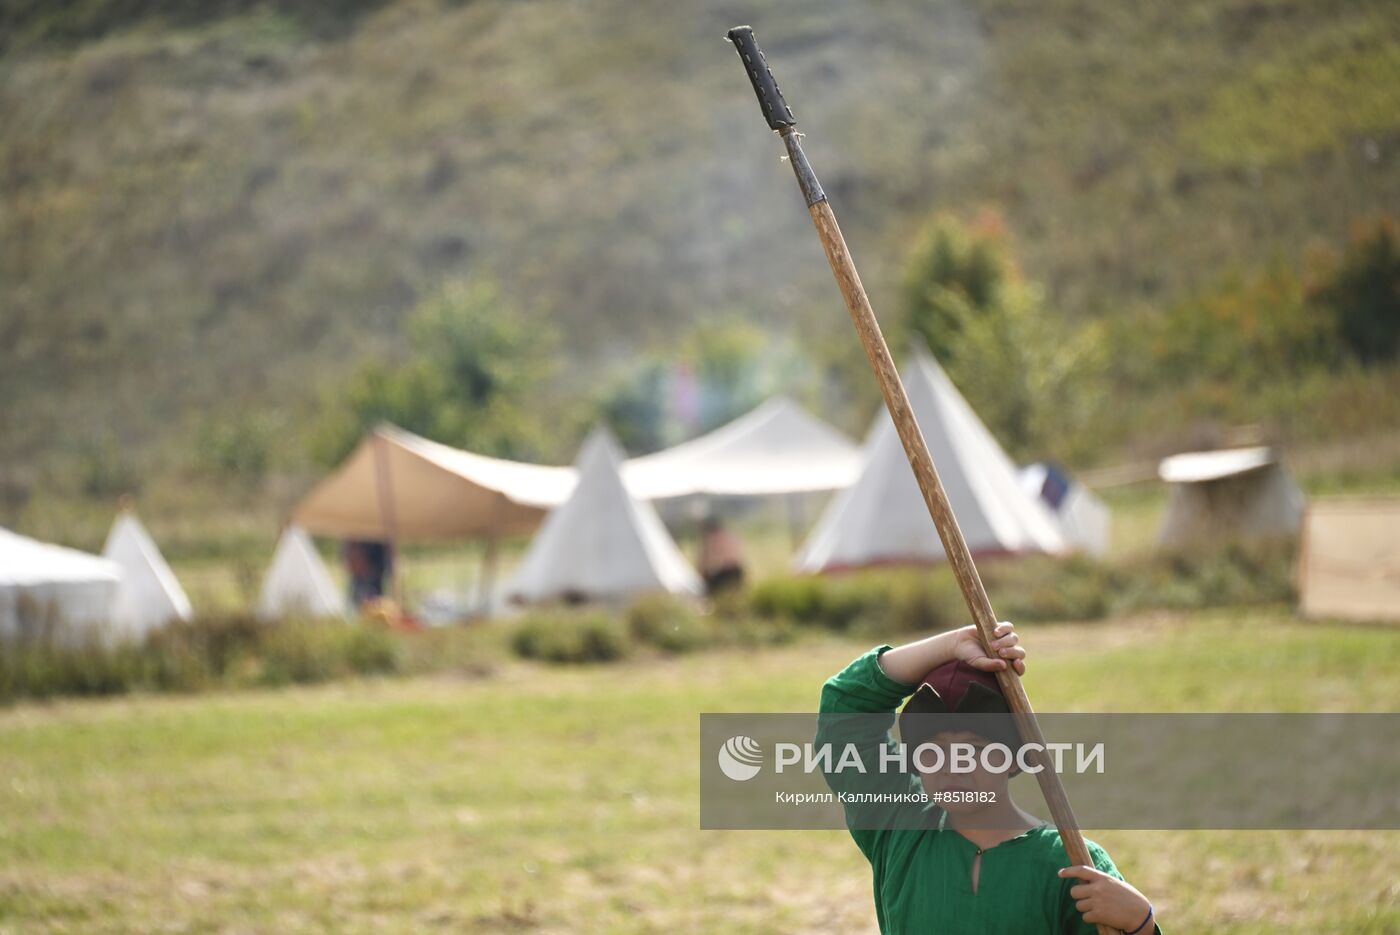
[[780, 118]]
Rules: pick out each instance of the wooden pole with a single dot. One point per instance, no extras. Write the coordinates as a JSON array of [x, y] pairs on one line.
[[490, 557], [780, 118], [384, 484]]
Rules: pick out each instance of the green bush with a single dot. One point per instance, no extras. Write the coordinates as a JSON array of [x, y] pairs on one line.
[[566, 636], [41, 670], [1226, 575], [230, 650], [1360, 291], [299, 651], [670, 624], [831, 603], [1034, 589], [920, 600]]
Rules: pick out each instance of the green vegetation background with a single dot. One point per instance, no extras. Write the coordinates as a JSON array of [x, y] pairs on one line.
[[236, 233]]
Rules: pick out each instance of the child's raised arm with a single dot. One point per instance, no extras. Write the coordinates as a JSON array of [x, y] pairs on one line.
[[912, 661]]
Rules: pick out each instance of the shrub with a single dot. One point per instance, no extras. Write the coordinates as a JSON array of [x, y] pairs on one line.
[[234, 649], [1360, 290], [565, 636], [299, 651], [920, 600], [667, 623], [1031, 589], [43, 670]]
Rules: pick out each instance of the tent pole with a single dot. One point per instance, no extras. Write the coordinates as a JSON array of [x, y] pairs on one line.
[[794, 514], [384, 485], [489, 558], [488, 575]]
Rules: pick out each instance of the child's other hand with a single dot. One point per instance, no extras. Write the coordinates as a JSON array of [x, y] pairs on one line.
[[1107, 900], [1004, 648]]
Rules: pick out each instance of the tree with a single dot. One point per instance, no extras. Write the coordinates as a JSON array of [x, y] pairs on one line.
[[1032, 377], [473, 380], [1360, 290], [954, 273]]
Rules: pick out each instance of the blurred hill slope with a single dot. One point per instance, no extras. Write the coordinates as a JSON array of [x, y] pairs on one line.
[[216, 205]]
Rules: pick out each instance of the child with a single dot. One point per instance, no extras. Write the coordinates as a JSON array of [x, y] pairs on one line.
[[976, 866]]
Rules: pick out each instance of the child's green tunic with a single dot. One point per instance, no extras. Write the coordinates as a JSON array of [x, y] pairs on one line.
[[923, 878]]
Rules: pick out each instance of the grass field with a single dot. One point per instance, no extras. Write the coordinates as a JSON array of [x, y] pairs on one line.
[[565, 800]]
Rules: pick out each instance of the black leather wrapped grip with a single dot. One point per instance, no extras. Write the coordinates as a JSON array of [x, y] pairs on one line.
[[775, 109]]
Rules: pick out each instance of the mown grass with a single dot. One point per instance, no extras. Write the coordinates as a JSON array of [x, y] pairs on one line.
[[565, 800]]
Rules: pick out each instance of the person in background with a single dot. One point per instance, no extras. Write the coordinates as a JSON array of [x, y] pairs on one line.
[[369, 563], [721, 556]]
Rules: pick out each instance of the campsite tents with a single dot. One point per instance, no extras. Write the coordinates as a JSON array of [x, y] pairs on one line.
[[47, 591], [882, 517], [1236, 493], [298, 582], [148, 597], [601, 544], [777, 448], [1083, 518], [397, 486]]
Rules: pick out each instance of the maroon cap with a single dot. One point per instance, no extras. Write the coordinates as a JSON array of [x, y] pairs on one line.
[[955, 696], [952, 680]]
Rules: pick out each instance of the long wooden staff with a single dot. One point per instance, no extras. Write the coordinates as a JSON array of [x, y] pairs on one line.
[[780, 119]]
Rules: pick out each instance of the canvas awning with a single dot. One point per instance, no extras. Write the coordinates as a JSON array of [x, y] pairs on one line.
[[1198, 467], [777, 448], [401, 487]]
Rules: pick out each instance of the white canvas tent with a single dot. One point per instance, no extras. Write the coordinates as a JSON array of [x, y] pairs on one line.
[[778, 448], [397, 486], [1236, 493], [51, 592], [882, 517], [601, 544], [1083, 518], [297, 583], [148, 597]]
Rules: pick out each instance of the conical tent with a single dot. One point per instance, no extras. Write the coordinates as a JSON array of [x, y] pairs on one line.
[[601, 544], [298, 582], [148, 597], [51, 592], [882, 518]]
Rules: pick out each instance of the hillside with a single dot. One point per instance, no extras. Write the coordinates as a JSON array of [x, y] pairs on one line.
[[210, 206]]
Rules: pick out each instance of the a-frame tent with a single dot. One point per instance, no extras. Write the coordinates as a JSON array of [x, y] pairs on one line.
[[602, 544], [882, 519], [149, 596], [297, 582]]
